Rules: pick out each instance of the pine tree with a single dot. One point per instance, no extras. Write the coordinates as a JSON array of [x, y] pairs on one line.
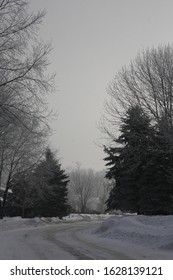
[[52, 182], [142, 166], [126, 160], [156, 182], [24, 195]]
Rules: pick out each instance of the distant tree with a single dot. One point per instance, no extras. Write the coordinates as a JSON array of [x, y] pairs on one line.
[[100, 193], [51, 181], [81, 188], [126, 159], [104, 193]]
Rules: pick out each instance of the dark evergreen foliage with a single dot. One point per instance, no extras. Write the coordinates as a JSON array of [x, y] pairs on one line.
[[141, 166], [52, 182], [41, 192], [156, 180], [126, 160], [23, 196]]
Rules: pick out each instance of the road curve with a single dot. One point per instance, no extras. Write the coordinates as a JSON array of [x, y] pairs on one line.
[[64, 241]]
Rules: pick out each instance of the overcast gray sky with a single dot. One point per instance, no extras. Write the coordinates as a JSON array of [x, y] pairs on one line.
[[92, 40]]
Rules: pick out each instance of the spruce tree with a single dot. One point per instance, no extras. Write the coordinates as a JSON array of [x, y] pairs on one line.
[[156, 181], [142, 167], [52, 182], [126, 158], [24, 195]]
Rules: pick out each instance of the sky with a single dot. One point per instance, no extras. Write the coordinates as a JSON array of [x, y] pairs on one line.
[[91, 41]]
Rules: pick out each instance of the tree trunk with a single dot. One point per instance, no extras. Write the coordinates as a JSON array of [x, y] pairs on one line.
[[4, 200], [1, 211], [23, 211]]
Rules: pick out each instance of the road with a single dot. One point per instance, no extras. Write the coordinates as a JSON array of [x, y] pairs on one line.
[[64, 241]]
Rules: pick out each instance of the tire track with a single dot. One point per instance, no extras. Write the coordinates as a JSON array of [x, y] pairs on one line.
[[74, 242]]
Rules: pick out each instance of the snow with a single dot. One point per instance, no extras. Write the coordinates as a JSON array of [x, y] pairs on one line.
[[85, 217], [43, 238], [138, 237], [145, 232], [17, 222]]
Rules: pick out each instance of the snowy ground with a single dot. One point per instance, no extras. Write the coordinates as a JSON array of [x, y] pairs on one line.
[[18, 222], [147, 233], [87, 237]]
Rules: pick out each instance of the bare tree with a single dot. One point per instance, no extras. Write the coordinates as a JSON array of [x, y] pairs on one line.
[[148, 82], [24, 86], [103, 187], [88, 190], [81, 188], [23, 60]]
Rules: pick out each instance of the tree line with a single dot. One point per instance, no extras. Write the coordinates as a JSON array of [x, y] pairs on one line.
[[140, 154], [49, 191], [41, 191]]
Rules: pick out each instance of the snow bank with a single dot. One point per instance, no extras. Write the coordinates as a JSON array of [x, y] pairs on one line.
[[85, 217], [18, 222], [137, 236], [154, 232]]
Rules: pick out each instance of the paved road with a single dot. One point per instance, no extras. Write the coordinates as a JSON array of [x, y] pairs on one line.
[[67, 241]]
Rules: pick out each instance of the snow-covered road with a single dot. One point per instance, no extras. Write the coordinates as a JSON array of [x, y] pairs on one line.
[[87, 237], [63, 241]]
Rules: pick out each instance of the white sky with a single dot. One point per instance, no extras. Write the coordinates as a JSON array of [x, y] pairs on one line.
[[92, 40]]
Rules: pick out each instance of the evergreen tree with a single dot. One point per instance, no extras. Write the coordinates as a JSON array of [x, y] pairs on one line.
[[156, 180], [142, 166], [125, 160], [24, 195], [52, 182]]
